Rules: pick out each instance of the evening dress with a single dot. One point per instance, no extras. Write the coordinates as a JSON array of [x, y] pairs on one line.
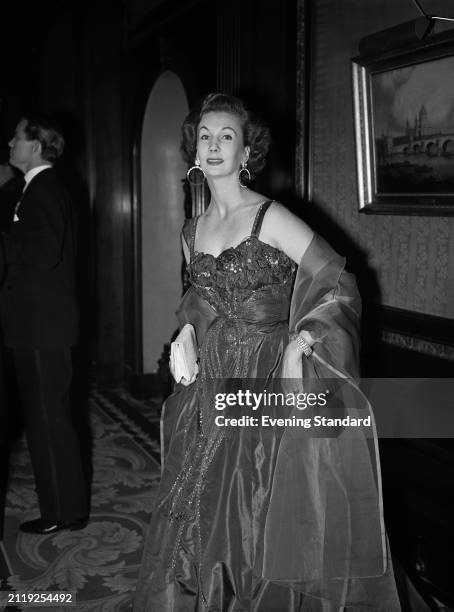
[[252, 519]]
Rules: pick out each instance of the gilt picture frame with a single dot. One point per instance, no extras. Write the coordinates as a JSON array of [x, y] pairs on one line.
[[404, 130]]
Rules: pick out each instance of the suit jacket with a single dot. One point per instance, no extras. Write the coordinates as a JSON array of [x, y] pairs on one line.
[[38, 304], [10, 193]]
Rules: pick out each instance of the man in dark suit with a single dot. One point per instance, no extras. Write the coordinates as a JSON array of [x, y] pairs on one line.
[[39, 318], [11, 186]]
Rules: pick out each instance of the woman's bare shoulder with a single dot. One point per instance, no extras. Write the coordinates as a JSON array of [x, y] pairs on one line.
[[284, 230]]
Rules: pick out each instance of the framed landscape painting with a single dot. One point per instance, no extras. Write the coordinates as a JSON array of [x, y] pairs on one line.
[[404, 127]]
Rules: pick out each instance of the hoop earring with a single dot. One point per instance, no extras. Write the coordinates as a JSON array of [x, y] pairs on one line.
[[248, 177], [194, 169]]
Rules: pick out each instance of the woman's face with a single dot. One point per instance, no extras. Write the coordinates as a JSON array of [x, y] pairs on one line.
[[220, 146]]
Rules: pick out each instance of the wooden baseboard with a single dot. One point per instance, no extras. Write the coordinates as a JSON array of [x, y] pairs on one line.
[[415, 331], [439, 330]]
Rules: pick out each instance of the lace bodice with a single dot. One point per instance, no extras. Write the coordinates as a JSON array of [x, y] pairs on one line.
[[241, 277]]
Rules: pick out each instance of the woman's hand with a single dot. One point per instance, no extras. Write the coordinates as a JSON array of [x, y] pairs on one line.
[[292, 369], [293, 361], [292, 366]]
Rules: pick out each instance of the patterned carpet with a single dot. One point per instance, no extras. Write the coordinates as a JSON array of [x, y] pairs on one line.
[[101, 562]]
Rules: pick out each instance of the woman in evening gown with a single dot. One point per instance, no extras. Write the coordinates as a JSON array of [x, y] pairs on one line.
[[257, 518]]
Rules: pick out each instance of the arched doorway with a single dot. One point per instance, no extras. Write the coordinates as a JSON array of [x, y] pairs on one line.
[[162, 214]]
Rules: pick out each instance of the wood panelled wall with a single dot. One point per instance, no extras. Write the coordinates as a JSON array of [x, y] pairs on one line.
[[245, 48], [104, 94]]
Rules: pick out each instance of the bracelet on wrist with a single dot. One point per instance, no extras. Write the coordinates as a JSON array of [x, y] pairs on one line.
[[303, 346]]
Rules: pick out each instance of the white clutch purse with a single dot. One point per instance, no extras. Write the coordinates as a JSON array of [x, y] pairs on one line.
[[183, 354]]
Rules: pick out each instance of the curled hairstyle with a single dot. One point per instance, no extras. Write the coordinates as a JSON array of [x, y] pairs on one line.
[[47, 133], [256, 135]]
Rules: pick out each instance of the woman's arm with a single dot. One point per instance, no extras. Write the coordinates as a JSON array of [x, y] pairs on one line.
[[325, 310], [287, 232], [325, 300]]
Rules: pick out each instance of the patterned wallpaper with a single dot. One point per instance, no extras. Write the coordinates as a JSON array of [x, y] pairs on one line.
[[413, 257]]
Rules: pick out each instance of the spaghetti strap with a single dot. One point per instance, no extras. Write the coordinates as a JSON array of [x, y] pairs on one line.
[[259, 218]]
